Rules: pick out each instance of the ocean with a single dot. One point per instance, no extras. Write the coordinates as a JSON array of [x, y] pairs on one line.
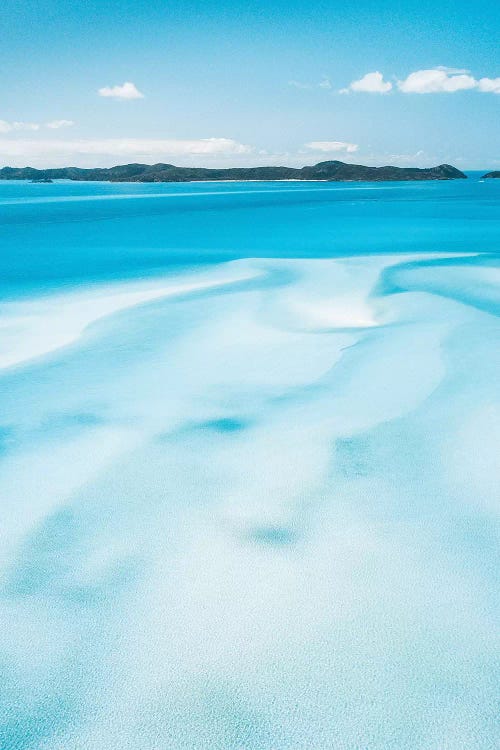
[[249, 466]]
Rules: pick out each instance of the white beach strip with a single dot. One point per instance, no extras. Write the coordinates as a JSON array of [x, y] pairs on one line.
[[32, 329]]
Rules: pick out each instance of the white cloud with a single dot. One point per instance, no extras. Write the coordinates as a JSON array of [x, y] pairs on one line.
[[437, 80], [451, 71], [60, 152], [299, 85], [56, 124], [420, 158], [12, 127], [489, 85], [323, 84], [429, 81], [127, 90], [371, 83], [8, 127], [332, 146]]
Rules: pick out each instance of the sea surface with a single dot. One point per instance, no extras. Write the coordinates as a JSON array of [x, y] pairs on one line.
[[249, 466]]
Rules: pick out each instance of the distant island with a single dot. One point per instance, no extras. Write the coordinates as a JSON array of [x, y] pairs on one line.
[[330, 171], [491, 175]]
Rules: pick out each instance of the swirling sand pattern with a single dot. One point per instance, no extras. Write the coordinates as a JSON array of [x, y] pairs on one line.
[[253, 507]]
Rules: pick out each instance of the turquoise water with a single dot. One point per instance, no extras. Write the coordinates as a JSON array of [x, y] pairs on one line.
[[249, 466]]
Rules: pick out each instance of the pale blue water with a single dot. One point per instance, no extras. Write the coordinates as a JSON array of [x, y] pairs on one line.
[[249, 466]]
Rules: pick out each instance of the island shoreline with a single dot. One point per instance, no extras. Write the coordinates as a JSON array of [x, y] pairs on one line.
[[327, 171]]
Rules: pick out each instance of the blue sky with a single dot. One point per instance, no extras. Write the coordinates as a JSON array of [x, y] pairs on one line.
[[232, 83]]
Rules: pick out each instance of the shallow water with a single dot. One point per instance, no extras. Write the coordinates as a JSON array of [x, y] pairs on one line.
[[249, 466]]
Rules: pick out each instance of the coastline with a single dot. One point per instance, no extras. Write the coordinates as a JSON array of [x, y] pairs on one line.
[[329, 171]]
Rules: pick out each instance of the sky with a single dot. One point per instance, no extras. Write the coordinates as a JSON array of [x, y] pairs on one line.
[[194, 82]]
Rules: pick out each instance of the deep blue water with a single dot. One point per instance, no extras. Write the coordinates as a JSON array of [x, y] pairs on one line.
[[249, 466]]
